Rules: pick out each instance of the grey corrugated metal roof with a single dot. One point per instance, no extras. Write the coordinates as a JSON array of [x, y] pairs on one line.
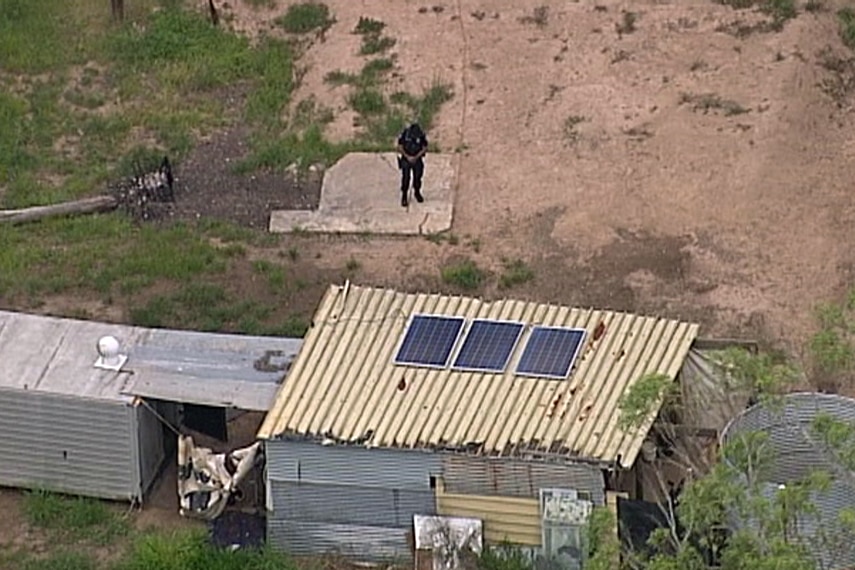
[[344, 387], [56, 355]]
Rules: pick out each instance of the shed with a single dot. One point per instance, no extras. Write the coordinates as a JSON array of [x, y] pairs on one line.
[[72, 427], [357, 444]]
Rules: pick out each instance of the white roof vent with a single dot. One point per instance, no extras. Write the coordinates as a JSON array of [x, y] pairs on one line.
[[109, 355]]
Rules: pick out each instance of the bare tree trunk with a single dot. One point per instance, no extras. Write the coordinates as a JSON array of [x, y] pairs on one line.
[[215, 17], [117, 8], [84, 206]]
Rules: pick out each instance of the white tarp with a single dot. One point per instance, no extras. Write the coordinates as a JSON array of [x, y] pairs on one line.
[[207, 479], [448, 538]]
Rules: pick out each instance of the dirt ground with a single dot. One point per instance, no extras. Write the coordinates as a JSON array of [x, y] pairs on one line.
[[692, 167]]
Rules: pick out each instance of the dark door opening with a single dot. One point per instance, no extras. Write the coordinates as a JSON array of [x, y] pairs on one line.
[[210, 420]]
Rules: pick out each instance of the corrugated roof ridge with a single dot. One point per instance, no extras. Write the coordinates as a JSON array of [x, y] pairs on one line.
[[385, 393], [531, 312], [645, 341], [380, 375], [508, 310], [276, 419], [338, 360], [422, 430], [378, 302]]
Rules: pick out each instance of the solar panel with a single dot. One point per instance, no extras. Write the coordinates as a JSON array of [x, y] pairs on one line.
[[429, 340], [488, 346], [550, 352]]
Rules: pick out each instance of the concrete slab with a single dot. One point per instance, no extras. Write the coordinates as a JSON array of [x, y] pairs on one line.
[[360, 195]]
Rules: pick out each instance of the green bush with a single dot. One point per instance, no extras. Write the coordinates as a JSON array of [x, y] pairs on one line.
[[515, 272], [847, 26], [466, 274], [305, 17]]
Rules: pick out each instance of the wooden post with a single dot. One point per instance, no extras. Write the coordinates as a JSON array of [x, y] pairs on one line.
[[117, 8]]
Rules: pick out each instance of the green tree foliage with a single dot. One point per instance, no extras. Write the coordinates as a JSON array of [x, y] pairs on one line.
[[736, 515]]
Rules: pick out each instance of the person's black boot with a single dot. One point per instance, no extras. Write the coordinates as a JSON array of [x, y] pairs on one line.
[[419, 197], [404, 200]]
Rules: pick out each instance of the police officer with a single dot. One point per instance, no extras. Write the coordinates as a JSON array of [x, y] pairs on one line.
[[412, 146]]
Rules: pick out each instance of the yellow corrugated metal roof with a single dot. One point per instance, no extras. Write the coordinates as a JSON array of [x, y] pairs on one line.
[[343, 386]]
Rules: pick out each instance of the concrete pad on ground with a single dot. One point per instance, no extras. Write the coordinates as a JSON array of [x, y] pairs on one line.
[[360, 194]]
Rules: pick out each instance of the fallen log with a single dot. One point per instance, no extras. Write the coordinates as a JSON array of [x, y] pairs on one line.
[[73, 208]]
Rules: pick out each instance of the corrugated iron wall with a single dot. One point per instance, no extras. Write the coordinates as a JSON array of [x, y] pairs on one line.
[[348, 500], [512, 519], [513, 478], [68, 444]]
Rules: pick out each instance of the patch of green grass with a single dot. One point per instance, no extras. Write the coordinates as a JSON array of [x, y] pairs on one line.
[[352, 265], [309, 112], [515, 273], [36, 35], [571, 127], [187, 54], [367, 26], [304, 149], [464, 274], [814, 6], [274, 273], [86, 100], [274, 66], [707, 102], [627, 23], [96, 253], [367, 102], [190, 550], [370, 75], [75, 518], [199, 306], [305, 17], [261, 3], [373, 40], [846, 16], [780, 10], [63, 560], [538, 17], [292, 327], [15, 155], [374, 44]]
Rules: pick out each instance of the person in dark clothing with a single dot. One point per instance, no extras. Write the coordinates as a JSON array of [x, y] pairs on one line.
[[412, 146]]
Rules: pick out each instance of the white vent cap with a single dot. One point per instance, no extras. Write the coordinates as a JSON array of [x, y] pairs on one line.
[[110, 356]]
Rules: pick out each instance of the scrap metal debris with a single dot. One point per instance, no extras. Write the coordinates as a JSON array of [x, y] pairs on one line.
[[206, 480], [137, 194]]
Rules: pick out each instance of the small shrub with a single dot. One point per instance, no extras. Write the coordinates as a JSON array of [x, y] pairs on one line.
[[707, 102], [847, 26], [368, 26], [352, 265], [627, 23], [367, 102], [539, 17], [305, 17], [571, 127], [814, 6], [516, 272], [466, 275], [781, 11], [374, 44]]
